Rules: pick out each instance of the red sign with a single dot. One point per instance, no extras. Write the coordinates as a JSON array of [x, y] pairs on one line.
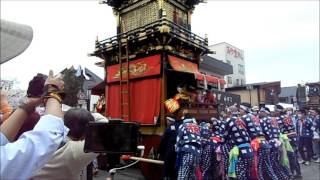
[[234, 52], [139, 68]]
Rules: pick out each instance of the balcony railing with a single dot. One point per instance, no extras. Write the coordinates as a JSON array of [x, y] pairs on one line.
[[160, 26]]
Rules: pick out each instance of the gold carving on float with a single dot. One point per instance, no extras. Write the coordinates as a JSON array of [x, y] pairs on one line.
[[134, 69]]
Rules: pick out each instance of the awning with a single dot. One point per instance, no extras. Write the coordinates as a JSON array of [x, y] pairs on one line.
[[202, 77], [222, 81], [181, 65], [143, 67]]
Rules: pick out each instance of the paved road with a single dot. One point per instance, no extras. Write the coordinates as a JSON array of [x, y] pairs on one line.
[[308, 172], [311, 172]]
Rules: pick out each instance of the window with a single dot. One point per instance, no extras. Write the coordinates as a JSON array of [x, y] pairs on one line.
[[229, 80], [242, 82], [241, 69], [229, 62], [237, 82]]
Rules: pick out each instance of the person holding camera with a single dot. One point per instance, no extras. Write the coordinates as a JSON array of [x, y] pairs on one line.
[[35, 90], [22, 158], [70, 159]]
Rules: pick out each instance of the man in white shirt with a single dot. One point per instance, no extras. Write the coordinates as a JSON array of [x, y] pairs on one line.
[[22, 158], [68, 161]]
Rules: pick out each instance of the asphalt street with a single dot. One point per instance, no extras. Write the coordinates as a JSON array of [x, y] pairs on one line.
[[311, 172]]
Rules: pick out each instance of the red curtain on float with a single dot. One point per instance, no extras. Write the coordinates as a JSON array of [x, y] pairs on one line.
[[144, 100], [113, 101]]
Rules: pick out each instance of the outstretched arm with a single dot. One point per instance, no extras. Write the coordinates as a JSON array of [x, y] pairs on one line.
[[12, 125], [22, 158]]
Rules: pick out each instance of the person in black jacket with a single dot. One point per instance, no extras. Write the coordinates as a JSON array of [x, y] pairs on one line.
[[167, 148], [305, 130]]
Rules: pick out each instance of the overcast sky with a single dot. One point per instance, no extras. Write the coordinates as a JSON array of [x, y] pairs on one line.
[[280, 39]]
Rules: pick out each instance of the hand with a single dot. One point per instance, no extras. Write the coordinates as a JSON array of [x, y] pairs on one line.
[[55, 80], [34, 102]]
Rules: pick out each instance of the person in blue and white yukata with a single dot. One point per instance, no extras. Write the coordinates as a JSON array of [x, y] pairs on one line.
[[241, 154], [271, 130], [207, 151], [261, 167], [221, 152], [287, 128], [188, 148]]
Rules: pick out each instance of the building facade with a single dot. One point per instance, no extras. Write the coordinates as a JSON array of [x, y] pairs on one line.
[[288, 95], [235, 57], [258, 94]]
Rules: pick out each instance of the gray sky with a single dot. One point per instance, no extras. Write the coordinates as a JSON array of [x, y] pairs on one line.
[[280, 39]]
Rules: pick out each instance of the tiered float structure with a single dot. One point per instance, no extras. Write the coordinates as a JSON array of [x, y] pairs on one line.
[[154, 51]]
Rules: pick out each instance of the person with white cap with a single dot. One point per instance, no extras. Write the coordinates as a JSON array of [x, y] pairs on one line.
[[288, 130], [255, 110], [241, 155], [22, 158], [271, 130], [261, 168]]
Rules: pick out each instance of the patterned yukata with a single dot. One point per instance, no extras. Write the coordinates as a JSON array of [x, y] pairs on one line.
[[221, 149], [188, 146], [288, 128], [305, 130], [262, 168], [271, 130], [207, 158], [237, 136]]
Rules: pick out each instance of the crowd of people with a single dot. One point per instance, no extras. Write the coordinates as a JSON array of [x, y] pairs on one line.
[[246, 143]]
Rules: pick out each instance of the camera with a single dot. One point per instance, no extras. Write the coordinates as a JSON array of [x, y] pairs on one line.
[[115, 137], [36, 86]]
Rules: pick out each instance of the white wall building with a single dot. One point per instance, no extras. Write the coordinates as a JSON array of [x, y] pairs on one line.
[[233, 56]]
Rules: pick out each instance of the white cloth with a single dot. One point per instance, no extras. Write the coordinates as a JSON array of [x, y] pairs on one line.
[[23, 158], [66, 163], [99, 117], [15, 38]]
